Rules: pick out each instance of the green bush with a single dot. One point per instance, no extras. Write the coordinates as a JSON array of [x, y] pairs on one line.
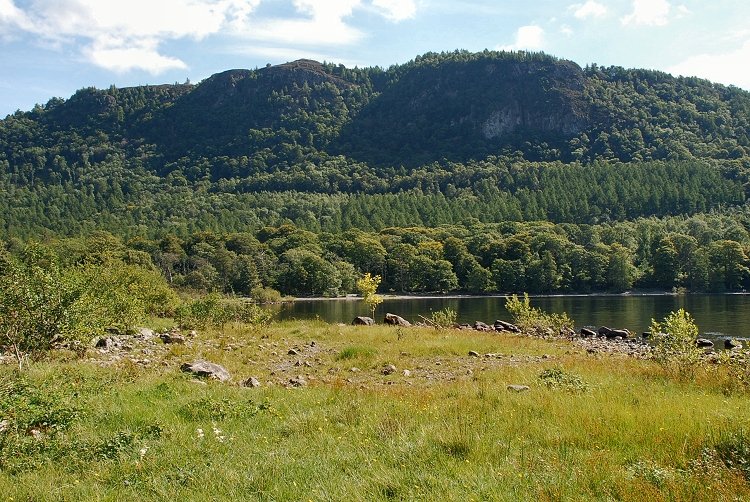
[[532, 320], [444, 318], [213, 311], [259, 294], [674, 345], [557, 378]]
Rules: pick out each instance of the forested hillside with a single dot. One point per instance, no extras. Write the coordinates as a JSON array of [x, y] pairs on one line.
[[464, 140]]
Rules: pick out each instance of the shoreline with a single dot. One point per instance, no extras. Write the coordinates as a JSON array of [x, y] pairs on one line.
[[449, 296]]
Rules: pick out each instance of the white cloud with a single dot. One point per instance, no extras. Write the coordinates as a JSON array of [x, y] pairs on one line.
[[396, 10], [566, 30], [729, 68], [591, 8], [529, 37], [648, 13], [122, 36], [322, 24]]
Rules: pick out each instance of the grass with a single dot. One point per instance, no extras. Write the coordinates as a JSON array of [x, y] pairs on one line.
[[449, 431]]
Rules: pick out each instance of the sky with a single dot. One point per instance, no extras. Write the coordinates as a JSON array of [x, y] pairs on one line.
[[51, 48]]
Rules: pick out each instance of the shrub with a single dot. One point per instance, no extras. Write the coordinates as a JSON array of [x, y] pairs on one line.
[[535, 321], [212, 311], [674, 345], [444, 318], [557, 378], [259, 294]]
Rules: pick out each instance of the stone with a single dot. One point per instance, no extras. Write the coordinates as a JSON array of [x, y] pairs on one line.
[[480, 326], [407, 373], [473, 353], [172, 338], [297, 382], [518, 388], [354, 369], [388, 369], [610, 333], [363, 321], [587, 333], [4, 425], [251, 382], [506, 326], [732, 344], [293, 352], [703, 342], [205, 369], [145, 333], [395, 320], [104, 342]]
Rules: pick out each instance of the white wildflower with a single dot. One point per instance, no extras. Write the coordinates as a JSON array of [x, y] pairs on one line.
[[200, 433]]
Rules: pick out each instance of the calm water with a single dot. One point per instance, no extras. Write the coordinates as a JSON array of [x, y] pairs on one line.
[[718, 316]]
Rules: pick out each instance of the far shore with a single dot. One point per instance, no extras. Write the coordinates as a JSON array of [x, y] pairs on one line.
[[451, 296]]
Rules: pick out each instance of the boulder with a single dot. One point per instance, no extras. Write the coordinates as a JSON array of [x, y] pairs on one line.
[[612, 333], [480, 326], [297, 382], [388, 369], [395, 320], [205, 369], [251, 382], [732, 344], [506, 326], [704, 343], [473, 353], [172, 338], [363, 321], [587, 333]]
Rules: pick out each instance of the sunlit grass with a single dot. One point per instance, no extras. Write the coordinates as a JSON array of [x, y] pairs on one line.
[[151, 434]]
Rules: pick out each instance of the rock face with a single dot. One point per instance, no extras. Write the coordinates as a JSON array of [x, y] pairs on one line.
[[205, 369], [363, 321], [395, 320]]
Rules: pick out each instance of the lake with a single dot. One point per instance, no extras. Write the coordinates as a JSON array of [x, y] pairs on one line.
[[717, 316]]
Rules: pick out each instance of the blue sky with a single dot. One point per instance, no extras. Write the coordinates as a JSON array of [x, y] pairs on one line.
[[51, 48]]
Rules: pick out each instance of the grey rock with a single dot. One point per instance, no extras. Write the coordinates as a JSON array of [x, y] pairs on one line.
[[104, 342], [407, 373], [395, 320], [145, 333], [293, 352], [518, 388], [473, 353], [363, 321], [704, 342], [354, 369], [388, 369], [251, 382], [480, 326], [587, 333], [4, 425], [506, 326], [172, 338], [732, 344], [297, 382], [206, 369]]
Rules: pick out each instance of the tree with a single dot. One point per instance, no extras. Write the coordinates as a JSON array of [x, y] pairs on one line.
[[367, 286]]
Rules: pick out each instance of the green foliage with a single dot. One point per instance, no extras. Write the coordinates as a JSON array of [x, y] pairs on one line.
[[557, 378], [444, 318], [213, 311], [367, 286], [532, 320], [674, 345], [261, 294], [207, 408]]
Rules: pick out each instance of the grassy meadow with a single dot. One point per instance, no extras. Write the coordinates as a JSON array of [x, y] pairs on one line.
[[592, 427]]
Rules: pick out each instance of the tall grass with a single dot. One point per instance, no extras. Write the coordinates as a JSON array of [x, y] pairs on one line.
[[629, 433]]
